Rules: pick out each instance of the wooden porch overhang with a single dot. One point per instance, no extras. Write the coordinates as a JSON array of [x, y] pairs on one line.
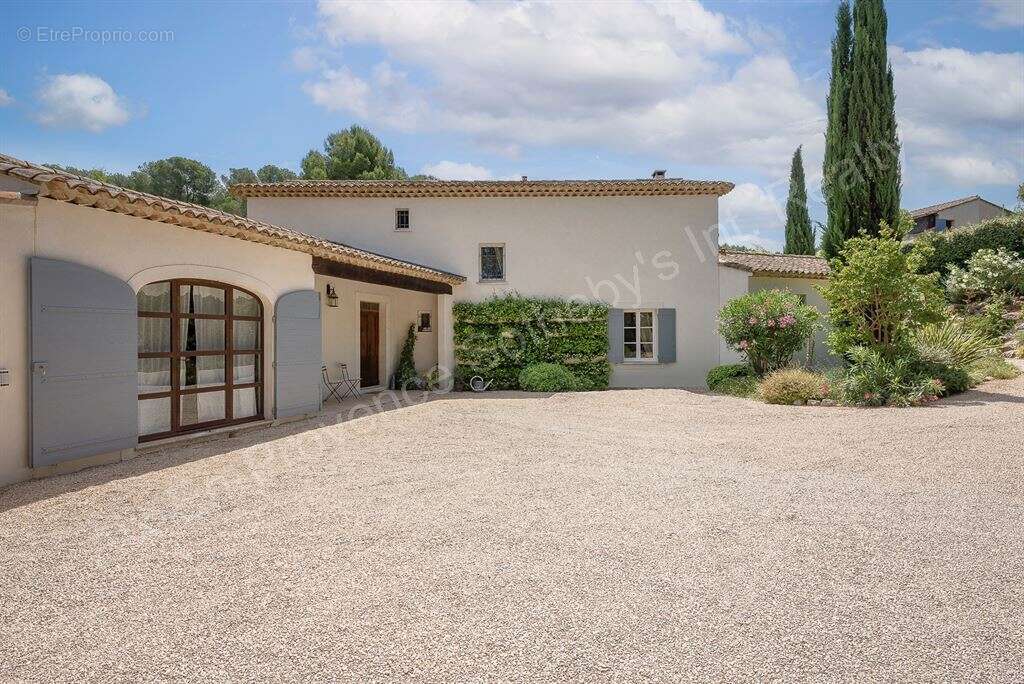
[[337, 269]]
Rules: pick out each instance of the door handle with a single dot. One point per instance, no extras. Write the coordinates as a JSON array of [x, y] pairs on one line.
[[39, 367]]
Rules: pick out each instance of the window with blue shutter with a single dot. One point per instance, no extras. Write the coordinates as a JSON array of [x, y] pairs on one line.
[[642, 335]]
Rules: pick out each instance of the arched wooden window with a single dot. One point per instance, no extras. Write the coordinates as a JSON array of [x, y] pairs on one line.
[[200, 357]]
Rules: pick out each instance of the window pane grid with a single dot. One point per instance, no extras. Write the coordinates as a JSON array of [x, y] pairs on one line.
[[190, 329], [492, 262], [638, 335]]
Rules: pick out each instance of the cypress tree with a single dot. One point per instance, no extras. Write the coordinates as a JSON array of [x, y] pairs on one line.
[[799, 235], [873, 150], [836, 135]]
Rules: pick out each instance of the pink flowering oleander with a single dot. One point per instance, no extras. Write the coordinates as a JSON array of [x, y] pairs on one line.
[[743, 344], [787, 320], [770, 323], [753, 320]]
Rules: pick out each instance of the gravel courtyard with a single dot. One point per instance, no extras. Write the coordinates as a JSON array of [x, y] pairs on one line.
[[623, 535]]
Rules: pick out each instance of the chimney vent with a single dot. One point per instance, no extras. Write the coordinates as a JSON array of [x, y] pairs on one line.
[[524, 179], [659, 174]]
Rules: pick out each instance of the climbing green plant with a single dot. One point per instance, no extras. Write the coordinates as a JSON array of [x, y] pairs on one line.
[[499, 337], [406, 370]]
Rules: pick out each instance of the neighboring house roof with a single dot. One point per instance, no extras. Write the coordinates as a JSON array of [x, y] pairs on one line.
[[495, 188], [68, 187], [936, 208], [785, 265]]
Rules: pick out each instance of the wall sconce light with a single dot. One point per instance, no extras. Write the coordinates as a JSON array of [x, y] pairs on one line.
[[332, 296]]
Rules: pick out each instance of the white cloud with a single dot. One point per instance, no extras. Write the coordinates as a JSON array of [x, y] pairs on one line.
[[972, 170], [81, 101], [306, 59], [957, 86], [637, 76], [340, 90], [754, 215], [960, 115], [449, 170], [1003, 14], [385, 96], [5, 99]]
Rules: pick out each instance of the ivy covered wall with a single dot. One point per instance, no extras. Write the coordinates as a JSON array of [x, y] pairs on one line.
[[497, 338]]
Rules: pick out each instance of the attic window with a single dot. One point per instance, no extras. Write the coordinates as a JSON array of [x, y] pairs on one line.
[[402, 219]]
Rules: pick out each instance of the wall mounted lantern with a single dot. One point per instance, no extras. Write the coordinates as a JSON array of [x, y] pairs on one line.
[[332, 296]]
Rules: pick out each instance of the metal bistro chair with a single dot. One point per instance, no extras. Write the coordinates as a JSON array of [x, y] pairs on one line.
[[344, 386]]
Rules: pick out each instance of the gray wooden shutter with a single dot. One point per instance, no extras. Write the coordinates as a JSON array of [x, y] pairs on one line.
[[84, 363], [298, 354], [666, 335], [615, 335]]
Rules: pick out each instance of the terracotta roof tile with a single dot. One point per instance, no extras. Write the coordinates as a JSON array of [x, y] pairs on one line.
[[457, 188], [68, 187], [788, 265]]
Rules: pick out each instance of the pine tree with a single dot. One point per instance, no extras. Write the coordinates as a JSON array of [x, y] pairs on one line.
[[799, 235], [874, 147], [836, 135]]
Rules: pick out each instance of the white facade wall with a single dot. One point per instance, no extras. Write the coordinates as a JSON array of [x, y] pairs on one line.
[[732, 282], [399, 310], [135, 250], [642, 252], [970, 213]]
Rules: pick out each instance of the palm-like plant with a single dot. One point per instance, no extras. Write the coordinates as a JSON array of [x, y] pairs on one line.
[[952, 344]]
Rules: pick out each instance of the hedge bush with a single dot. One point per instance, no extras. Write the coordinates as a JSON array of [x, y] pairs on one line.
[[499, 337], [548, 377], [792, 385], [955, 247], [719, 374]]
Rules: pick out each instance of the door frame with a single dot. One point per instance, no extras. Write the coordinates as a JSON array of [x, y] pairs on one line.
[[384, 341]]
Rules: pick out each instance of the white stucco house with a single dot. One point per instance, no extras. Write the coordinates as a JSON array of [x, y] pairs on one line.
[[131, 318], [965, 211]]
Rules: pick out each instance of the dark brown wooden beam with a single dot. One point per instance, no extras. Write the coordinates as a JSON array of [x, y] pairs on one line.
[[337, 269]]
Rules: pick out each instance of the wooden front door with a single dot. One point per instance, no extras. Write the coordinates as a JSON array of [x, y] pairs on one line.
[[369, 344]]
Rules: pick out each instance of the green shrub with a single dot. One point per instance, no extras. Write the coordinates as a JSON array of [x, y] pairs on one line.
[[791, 385], [877, 297], [955, 247], [875, 380], [767, 327], [954, 379], [992, 366], [988, 272], [719, 374], [498, 337], [990, 319], [405, 372], [951, 343], [744, 387], [548, 377]]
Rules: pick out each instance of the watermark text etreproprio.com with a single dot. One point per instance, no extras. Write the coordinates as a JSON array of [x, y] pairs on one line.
[[81, 34]]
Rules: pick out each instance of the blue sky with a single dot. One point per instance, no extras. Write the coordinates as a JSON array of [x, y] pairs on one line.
[[600, 90]]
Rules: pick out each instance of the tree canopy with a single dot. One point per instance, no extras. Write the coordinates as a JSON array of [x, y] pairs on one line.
[[799, 234], [352, 154], [862, 167]]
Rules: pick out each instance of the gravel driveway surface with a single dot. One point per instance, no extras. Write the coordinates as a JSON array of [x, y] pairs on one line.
[[653, 534]]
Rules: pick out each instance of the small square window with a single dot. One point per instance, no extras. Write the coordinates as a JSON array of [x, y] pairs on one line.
[[402, 219], [423, 322], [492, 262]]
